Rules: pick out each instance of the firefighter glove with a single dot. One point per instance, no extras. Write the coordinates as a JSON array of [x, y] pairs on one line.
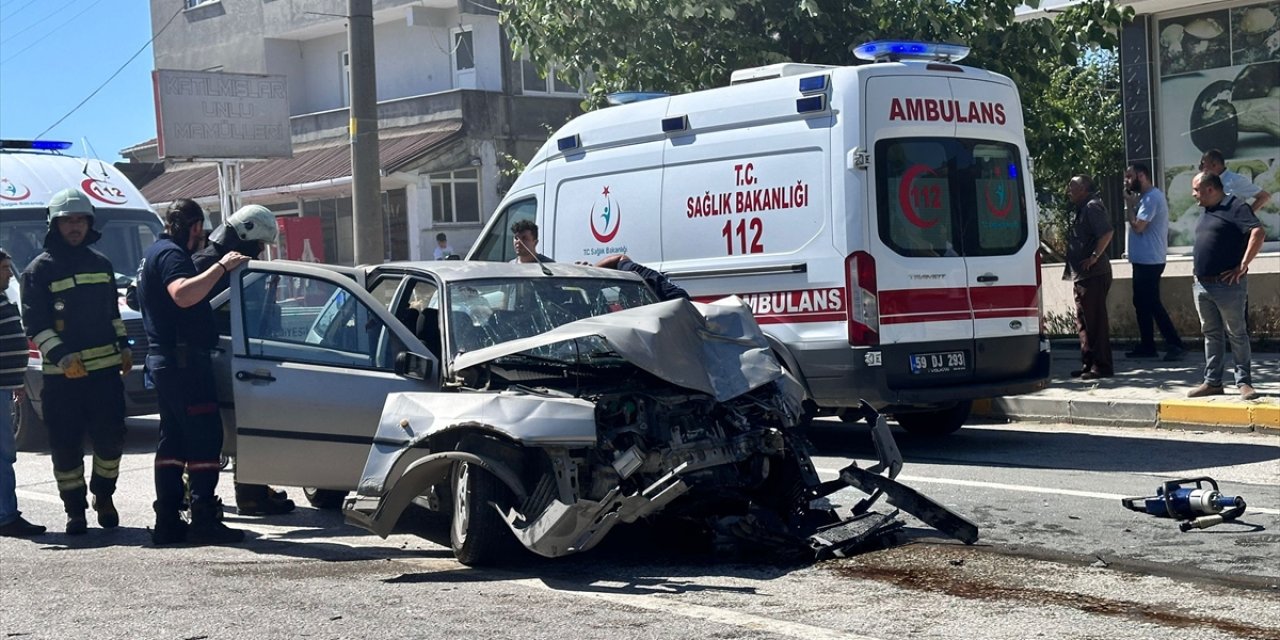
[[72, 366], [126, 361]]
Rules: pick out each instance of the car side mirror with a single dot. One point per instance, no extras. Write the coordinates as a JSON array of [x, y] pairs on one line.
[[412, 365]]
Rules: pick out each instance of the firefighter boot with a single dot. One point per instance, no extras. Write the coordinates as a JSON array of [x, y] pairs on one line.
[[207, 527], [74, 503], [170, 527], [77, 525], [108, 517], [260, 500]]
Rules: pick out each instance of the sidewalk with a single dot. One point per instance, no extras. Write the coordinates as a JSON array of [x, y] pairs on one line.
[[1146, 393]]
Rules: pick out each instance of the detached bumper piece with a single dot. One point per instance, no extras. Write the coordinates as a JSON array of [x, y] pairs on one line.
[[864, 532], [867, 529]]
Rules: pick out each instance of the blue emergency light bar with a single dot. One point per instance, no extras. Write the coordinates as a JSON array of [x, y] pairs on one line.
[[39, 145], [569, 143], [894, 50]]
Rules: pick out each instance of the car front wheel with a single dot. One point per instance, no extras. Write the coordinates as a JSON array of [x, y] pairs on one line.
[[478, 534]]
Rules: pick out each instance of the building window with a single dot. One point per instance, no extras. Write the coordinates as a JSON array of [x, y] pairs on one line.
[[533, 82], [464, 52], [455, 196], [191, 4], [344, 77]]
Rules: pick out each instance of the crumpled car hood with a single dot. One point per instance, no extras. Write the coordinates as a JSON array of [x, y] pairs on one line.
[[715, 348]]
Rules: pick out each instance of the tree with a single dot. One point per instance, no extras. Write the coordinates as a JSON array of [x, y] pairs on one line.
[[1081, 132], [686, 45]]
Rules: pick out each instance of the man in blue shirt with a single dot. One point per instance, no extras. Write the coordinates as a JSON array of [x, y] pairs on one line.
[[1148, 215]]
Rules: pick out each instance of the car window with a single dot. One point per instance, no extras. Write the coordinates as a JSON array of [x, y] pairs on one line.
[[384, 290], [311, 320], [487, 312]]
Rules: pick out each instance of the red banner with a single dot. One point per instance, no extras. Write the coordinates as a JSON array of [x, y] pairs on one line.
[[303, 238]]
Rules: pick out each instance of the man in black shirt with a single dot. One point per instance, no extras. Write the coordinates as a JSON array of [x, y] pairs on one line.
[[179, 325], [1228, 236], [1087, 241], [71, 314]]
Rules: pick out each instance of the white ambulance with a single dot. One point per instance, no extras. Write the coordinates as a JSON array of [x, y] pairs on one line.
[[31, 171], [879, 219]]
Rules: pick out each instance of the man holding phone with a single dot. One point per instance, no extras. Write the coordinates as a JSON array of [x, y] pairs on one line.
[[1147, 211], [1228, 236]]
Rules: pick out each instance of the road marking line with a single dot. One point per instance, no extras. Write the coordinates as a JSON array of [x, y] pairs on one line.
[[702, 612], [1027, 489]]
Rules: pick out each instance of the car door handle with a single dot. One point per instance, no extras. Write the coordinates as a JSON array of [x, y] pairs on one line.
[[250, 375], [988, 277]]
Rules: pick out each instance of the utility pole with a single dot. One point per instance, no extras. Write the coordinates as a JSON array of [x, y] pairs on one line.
[[366, 189]]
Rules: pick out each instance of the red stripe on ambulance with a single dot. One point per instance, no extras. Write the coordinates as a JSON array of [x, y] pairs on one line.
[[901, 306]]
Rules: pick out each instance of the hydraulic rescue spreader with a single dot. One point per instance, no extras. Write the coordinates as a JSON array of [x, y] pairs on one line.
[[1198, 507]]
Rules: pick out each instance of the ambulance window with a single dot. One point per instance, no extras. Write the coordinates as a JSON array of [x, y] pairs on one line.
[[496, 246], [949, 197], [1001, 222], [916, 217]]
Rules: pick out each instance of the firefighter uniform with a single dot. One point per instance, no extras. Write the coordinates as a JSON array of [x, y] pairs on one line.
[[69, 306]]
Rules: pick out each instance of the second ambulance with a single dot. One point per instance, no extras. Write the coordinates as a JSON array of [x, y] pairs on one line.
[[879, 219]]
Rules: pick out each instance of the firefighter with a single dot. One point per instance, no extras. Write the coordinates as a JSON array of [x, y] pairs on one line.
[[246, 231], [69, 305], [179, 325]]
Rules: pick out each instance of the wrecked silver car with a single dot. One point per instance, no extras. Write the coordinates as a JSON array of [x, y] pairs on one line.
[[540, 406]]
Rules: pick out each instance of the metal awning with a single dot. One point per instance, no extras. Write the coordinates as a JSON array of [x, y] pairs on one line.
[[396, 150]]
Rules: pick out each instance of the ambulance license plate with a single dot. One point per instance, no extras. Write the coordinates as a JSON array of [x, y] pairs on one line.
[[943, 362]]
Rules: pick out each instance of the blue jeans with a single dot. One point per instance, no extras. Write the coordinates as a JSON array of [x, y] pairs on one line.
[[1222, 310], [8, 455]]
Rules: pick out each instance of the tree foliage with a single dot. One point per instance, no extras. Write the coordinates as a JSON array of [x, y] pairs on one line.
[[1081, 133], [686, 45]]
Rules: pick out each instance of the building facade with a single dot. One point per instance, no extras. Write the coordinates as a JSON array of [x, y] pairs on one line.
[[453, 108]]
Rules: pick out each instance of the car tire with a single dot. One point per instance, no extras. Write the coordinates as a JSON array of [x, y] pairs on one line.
[[935, 423], [324, 499], [477, 533], [29, 431]]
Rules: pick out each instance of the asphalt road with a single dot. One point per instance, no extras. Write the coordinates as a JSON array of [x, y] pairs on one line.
[[1059, 558]]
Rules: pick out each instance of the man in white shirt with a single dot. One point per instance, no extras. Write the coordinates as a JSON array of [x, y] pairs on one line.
[[1234, 184], [443, 250]]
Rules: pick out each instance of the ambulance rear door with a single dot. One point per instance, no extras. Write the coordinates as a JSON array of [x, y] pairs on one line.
[[1000, 235], [918, 172]]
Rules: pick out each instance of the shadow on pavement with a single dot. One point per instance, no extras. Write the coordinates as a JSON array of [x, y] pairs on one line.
[[975, 445]]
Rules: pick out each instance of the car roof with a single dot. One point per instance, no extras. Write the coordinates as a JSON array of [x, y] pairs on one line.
[[458, 270]]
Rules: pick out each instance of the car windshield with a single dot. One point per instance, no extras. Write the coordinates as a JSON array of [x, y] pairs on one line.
[[483, 313]]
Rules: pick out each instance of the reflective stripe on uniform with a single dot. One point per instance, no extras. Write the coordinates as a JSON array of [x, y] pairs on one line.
[[119, 325], [204, 466], [106, 468], [47, 341], [93, 359], [62, 285], [81, 278], [70, 479]]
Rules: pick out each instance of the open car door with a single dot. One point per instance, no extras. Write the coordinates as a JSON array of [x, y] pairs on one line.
[[313, 357]]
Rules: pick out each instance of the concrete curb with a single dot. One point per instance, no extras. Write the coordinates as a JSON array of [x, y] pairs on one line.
[[1233, 415]]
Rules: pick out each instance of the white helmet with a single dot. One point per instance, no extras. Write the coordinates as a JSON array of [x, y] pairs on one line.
[[253, 223]]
